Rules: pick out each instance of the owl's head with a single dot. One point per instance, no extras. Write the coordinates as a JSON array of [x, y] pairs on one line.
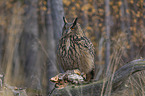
[[71, 28]]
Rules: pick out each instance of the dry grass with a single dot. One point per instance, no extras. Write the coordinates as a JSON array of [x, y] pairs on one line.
[[135, 85]]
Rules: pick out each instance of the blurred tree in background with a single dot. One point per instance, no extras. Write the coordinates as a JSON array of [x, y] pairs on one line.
[[30, 30]]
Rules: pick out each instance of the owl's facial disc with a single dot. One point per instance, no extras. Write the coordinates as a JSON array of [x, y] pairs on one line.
[[68, 27]]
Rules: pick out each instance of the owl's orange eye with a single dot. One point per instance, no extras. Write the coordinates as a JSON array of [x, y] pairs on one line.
[[72, 28]]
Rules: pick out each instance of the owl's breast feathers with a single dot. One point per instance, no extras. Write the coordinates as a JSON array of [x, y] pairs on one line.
[[76, 52]]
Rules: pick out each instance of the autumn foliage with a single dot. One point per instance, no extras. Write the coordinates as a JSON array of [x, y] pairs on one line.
[[126, 25]]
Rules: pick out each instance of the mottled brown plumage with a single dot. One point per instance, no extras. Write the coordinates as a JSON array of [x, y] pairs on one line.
[[76, 50]]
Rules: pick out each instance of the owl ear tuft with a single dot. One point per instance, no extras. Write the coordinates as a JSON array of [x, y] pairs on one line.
[[74, 22], [65, 21]]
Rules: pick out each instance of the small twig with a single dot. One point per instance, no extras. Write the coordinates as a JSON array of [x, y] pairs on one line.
[[51, 91]]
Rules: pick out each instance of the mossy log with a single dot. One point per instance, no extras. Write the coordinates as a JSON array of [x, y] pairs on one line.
[[95, 88]]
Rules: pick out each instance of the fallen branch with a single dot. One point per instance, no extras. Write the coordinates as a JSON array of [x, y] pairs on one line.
[[95, 88]]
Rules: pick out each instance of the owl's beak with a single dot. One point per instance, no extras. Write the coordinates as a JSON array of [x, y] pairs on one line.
[[68, 31]]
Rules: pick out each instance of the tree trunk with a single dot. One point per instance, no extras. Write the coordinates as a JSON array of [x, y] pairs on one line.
[[14, 29], [51, 59], [107, 24], [4, 22], [29, 45], [2, 36], [57, 14], [122, 16], [85, 16], [129, 33]]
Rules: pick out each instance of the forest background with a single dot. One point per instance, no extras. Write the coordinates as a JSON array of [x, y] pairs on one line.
[[30, 31]]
